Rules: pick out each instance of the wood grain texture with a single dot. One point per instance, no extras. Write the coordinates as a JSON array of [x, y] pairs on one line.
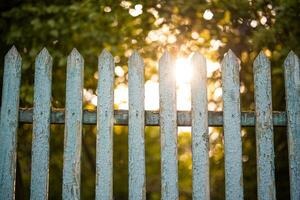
[[9, 123], [41, 126], [73, 126], [200, 137], [136, 123], [215, 118], [264, 128], [232, 127], [292, 89], [105, 116], [168, 127]]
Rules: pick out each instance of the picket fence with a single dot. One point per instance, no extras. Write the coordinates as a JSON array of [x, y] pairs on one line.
[[168, 118]]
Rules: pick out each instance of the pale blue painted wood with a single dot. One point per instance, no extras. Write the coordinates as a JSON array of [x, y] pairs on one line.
[[200, 135], [41, 126], [264, 128], [136, 123], [105, 117], [73, 126], [292, 90], [232, 127], [9, 123], [168, 127]]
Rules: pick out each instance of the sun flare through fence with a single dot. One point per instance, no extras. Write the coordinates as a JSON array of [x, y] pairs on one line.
[[136, 118]]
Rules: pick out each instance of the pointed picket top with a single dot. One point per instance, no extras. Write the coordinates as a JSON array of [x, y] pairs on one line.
[[166, 58], [105, 54], [230, 56], [44, 59], [105, 59], [75, 55], [198, 57], [136, 61], [260, 61], [292, 65], [13, 55], [44, 53], [291, 60], [230, 66], [198, 62], [230, 60]]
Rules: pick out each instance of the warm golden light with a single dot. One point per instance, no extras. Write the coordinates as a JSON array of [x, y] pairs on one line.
[[183, 71], [183, 78]]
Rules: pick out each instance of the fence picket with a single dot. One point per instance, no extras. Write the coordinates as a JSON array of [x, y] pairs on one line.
[[136, 123], [232, 127], [41, 126], [200, 140], [264, 128], [105, 117], [168, 127], [41, 116], [9, 123], [292, 89], [73, 126]]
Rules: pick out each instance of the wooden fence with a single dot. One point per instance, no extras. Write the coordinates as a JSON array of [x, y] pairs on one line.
[[168, 118]]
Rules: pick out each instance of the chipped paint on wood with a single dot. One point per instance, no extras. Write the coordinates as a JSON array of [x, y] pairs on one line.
[[73, 126], [215, 118], [136, 123], [232, 127], [292, 89], [41, 126], [105, 116], [199, 115], [168, 127], [264, 128], [9, 123]]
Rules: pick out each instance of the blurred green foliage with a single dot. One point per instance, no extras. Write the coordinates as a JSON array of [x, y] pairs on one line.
[[246, 27]]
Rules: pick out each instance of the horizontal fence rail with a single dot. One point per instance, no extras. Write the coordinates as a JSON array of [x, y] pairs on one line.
[[184, 118], [136, 118]]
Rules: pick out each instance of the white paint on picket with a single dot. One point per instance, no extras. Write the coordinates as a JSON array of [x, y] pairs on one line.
[[264, 128], [9, 123], [168, 127], [136, 118], [200, 137], [73, 126], [41, 126], [292, 90], [105, 116], [136, 123], [232, 127]]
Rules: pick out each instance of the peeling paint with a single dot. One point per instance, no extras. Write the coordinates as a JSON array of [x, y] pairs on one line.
[[136, 123], [168, 128], [9, 123], [232, 127], [264, 128], [73, 126], [291, 75], [105, 115], [200, 140], [41, 126]]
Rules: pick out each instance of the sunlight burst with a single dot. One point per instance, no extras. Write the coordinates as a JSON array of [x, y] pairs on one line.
[[184, 74], [183, 71]]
